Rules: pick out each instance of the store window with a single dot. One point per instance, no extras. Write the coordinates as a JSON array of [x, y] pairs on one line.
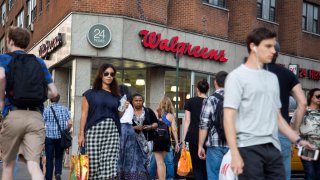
[[135, 79], [219, 3], [183, 89], [19, 19], [310, 18], [3, 14], [32, 13], [266, 9]]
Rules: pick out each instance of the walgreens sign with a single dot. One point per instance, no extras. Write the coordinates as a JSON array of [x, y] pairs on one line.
[[153, 40]]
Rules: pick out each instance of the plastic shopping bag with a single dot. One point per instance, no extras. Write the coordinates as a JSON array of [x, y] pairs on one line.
[[79, 167], [184, 164], [74, 168], [225, 172]]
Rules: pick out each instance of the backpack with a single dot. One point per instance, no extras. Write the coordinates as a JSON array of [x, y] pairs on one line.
[[162, 133], [218, 123], [26, 83]]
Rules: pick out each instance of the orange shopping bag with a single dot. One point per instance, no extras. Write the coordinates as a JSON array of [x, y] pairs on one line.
[[184, 164]]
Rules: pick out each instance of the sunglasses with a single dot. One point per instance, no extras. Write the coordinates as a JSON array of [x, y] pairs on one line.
[[107, 74], [318, 96]]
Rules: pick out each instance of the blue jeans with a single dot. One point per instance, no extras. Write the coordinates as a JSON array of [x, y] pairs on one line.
[[311, 169], [214, 157], [286, 154], [54, 153], [169, 166]]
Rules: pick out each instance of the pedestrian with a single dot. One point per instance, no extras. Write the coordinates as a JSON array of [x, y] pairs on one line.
[[144, 123], [191, 129], [210, 128], [252, 115], [54, 152], [289, 85], [310, 130], [165, 115], [132, 160], [100, 124], [21, 104]]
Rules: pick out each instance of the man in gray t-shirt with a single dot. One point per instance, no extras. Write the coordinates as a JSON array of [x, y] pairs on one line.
[[251, 113]]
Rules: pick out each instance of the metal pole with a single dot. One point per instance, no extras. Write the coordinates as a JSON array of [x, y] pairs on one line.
[[177, 84]]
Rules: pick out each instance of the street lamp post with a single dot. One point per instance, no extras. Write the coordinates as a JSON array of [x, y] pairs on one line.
[[176, 56]]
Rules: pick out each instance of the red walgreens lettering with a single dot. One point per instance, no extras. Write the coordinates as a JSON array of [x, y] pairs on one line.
[[153, 40]]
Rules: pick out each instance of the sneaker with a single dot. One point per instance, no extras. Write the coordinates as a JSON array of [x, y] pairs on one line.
[[58, 177]]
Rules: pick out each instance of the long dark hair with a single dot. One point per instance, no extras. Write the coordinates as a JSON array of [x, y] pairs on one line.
[[97, 84], [310, 95]]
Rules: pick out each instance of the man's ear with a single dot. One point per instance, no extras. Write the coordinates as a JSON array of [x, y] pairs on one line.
[[253, 47]]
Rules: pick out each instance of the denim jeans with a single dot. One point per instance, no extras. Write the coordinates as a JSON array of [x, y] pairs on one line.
[[311, 169], [54, 153], [169, 166], [286, 154], [214, 157]]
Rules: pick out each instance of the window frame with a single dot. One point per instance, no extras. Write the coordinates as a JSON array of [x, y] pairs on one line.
[[10, 4], [2, 42], [3, 14], [20, 19], [269, 11], [306, 19], [217, 3], [32, 11]]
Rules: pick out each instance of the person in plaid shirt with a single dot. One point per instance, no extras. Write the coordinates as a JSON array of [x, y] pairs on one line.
[[215, 150], [53, 137]]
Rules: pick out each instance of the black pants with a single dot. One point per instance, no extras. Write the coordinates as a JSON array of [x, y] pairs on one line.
[[262, 162], [198, 165]]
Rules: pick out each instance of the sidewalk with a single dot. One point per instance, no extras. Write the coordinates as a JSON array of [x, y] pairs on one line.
[[22, 173]]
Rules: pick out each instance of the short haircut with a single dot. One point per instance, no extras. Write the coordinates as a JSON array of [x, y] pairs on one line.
[[221, 78], [136, 94], [55, 99], [259, 34], [203, 86], [20, 37]]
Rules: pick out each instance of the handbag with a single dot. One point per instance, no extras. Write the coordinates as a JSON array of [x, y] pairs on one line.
[[79, 167], [66, 138]]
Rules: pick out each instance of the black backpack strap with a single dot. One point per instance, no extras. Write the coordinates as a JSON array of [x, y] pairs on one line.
[[55, 117], [218, 96]]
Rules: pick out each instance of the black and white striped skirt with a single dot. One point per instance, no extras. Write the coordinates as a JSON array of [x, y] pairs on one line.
[[102, 146]]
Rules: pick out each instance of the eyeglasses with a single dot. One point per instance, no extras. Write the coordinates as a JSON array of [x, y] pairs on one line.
[[107, 74], [318, 96]]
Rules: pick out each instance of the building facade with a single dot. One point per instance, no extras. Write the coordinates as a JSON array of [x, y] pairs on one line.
[[143, 39]]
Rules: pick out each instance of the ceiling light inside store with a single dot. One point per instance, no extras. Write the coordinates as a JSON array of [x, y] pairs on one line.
[[127, 82], [175, 98], [173, 89], [188, 96], [140, 81]]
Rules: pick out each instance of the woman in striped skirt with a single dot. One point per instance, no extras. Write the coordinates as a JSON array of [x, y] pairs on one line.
[[100, 124]]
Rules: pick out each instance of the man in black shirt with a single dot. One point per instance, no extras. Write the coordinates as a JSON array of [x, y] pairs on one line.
[[289, 85]]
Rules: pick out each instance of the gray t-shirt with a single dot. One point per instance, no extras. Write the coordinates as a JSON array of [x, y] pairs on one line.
[[255, 95]]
